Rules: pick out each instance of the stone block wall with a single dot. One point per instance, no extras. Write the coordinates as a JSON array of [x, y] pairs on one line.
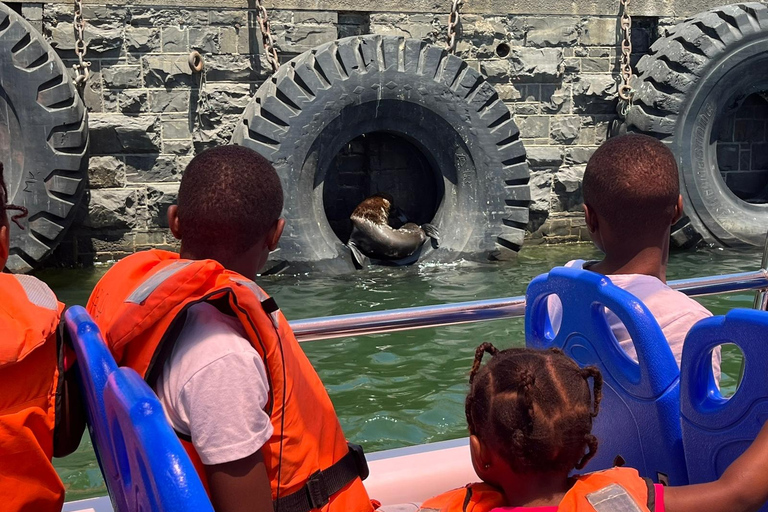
[[150, 114]]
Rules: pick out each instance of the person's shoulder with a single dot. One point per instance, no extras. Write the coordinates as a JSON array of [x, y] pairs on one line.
[[209, 335]]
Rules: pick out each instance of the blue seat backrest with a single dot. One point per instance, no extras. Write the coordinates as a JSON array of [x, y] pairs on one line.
[[716, 430], [639, 416], [154, 468], [95, 364], [138, 471]]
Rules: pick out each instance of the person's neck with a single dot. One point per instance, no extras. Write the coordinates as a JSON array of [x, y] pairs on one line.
[[649, 261], [244, 264], [536, 490]]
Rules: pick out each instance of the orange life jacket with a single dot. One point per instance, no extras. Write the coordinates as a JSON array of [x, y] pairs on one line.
[[602, 491], [29, 380], [140, 304]]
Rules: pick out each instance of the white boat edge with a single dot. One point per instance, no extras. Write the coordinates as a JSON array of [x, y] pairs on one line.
[[400, 479]]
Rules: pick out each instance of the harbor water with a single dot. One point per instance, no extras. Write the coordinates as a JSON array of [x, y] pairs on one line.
[[407, 388]]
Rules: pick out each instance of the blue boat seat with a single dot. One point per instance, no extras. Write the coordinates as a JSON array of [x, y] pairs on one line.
[[716, 430], [143, 463], [639, 417], [151, 461]]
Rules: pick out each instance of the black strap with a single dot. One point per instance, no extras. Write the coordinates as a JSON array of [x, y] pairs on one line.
[[317, 492], [651, 502], [269, 305]]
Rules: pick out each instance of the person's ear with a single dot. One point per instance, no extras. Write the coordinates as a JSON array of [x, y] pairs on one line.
[[481, 457], [274, 235], [678, 209], [5, 245], [590, 218], [173, 221]]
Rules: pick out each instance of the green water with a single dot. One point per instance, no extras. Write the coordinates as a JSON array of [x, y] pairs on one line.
[[407, 388]]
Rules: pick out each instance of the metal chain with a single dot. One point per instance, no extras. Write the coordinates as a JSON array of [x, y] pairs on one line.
[[83, 67], [203, 103], [625, 90], [266, 35], [453, 25]]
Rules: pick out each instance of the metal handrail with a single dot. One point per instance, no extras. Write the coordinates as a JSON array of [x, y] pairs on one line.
[[362, 324]]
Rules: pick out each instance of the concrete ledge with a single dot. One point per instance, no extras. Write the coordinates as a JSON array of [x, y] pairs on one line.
[[662, 8]]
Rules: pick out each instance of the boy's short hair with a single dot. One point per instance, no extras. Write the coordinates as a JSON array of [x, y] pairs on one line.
[[632, 182], [229, 198]]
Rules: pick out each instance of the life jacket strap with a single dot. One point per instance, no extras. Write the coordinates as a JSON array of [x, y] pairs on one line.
[[323, 484]]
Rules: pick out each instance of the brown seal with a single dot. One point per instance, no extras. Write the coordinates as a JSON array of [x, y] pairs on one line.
[[373, 236]]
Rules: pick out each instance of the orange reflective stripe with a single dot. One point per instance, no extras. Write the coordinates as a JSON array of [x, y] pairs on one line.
[[307, 434], [612, 490], [29, 376]]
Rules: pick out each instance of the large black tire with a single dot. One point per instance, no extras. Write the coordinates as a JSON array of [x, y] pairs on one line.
[[324, 98], [43, 139], [703, 69]]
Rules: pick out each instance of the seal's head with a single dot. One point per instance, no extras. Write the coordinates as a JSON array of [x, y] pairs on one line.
[[374, 209]]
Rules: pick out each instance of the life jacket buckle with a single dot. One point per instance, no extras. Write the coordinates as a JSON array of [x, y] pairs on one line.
[[361, 463], [317, 490]]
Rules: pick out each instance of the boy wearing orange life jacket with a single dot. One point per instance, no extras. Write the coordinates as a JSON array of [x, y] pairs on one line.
[[39, 417], [530, 419], [233, 381]]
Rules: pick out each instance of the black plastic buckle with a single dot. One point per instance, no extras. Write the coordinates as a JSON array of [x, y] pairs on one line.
[[317, 490], [360, 462]]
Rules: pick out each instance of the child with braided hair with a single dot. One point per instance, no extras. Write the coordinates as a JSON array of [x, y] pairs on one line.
[[530, 416]]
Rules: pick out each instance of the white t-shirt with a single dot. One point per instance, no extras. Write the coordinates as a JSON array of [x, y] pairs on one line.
[[214, 387], [674, 311]]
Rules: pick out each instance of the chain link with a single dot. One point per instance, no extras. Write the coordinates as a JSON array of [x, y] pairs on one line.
[[203, 103], [625, 90], [266, 35], [83, 67], [453, 25]]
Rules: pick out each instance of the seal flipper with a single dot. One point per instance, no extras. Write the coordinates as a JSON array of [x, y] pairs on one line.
[[431, 231], [358, 257]]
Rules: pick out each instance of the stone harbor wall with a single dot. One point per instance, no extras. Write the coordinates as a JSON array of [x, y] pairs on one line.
[[149, 114]]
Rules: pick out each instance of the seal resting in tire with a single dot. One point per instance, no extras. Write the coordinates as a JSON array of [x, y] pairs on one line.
[[373, 235]]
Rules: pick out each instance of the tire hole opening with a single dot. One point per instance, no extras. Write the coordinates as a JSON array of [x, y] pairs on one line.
[[381, 162], [742, 149]]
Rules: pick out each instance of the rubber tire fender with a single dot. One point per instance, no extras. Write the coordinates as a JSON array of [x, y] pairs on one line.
[[43, 139], [325, 97], [701, 70]]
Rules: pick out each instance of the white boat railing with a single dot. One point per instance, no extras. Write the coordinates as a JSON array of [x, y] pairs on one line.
[[362, 324]]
